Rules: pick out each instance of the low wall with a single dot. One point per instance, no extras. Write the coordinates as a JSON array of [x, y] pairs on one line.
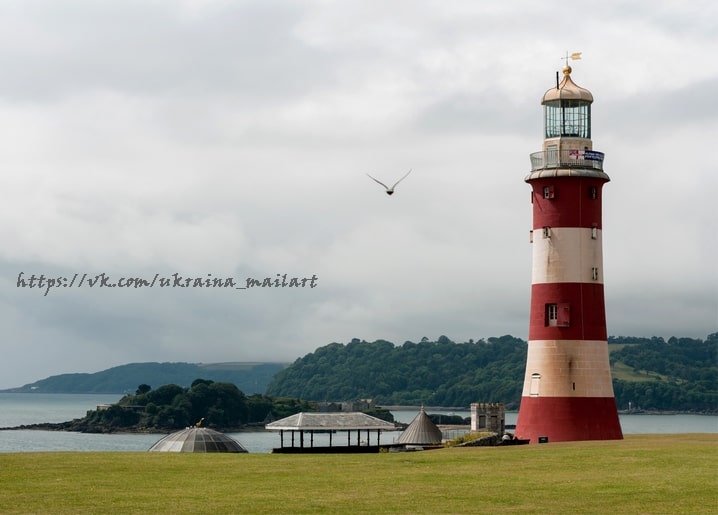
[[485, 441]]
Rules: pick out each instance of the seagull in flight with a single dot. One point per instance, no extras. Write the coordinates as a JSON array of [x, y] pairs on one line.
[[390, 191]]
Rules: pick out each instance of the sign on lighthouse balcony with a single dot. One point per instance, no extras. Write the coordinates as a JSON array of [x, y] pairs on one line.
[[568, 392]]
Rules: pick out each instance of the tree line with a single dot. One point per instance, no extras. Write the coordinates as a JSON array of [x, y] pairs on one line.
[[684, 375], [439, 373], [680, 374]]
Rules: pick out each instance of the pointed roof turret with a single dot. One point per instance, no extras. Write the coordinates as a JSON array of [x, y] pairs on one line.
[[421, 431]]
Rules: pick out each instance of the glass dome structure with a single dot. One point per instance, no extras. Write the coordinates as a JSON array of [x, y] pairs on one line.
[[197, 439]]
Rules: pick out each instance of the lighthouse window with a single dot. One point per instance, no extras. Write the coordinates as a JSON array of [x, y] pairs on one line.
[[571, 118], [594, 232], [551, 315], [546, 232], [594, 272], [534, 388], [593, 192], [548, 192]]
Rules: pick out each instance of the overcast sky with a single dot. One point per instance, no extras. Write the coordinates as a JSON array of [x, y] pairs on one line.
[[233, 138]]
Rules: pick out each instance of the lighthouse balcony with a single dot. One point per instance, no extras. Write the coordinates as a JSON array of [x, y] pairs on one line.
[[567, 159]]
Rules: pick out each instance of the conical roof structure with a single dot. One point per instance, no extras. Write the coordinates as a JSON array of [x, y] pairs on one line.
[[197, 439], [421, 431]]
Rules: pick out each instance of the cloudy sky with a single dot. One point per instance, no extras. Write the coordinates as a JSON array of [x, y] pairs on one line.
[[233, 138]]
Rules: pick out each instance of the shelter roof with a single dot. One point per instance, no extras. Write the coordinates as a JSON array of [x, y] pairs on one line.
[[329, 421]]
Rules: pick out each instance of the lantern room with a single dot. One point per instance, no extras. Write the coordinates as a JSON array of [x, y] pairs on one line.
[[567, 111], [567, 130]]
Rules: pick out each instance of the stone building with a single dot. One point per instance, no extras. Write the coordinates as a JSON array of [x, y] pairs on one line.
[[488, 416]]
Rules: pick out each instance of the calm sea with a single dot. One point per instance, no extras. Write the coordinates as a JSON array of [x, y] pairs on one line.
[[31, 408]]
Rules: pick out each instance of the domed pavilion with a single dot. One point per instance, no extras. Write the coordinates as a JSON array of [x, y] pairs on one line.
[[197, 439]]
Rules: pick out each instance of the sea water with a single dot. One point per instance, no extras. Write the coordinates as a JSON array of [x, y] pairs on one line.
[[32, 408]]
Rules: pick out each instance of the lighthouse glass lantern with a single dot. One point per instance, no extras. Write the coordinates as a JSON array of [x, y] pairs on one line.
[[568, 118]]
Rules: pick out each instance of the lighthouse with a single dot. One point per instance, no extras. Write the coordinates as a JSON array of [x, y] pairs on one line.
[[567, 393]]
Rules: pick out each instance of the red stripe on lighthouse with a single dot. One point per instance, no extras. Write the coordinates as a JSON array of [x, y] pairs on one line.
[[586, 317], [564, 419], [572, 201]]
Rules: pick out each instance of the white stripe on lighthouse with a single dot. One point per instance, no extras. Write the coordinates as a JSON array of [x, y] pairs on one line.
[[567, 255], [567, 368]]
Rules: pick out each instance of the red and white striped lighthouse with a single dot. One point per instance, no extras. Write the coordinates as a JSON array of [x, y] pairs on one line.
[[567, 393]]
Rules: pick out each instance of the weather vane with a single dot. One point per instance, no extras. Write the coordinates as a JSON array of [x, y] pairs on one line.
[[574, 57]]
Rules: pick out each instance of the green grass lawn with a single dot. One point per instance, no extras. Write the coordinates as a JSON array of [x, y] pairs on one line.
[[662, 474], [622, 371]]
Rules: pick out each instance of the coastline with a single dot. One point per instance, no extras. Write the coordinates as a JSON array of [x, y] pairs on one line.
[[77, 426], [80, 426]]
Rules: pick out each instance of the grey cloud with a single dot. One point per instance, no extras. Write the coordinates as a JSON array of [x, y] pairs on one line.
[[650, 111], [234, 138], [247, 50]]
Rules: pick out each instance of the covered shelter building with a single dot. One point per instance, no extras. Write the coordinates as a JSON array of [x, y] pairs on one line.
[[303, 424]]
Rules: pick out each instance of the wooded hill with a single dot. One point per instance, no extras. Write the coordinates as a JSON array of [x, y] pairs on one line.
[[680, 374], [250, 378]]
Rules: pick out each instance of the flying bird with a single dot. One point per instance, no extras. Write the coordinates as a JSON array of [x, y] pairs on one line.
[[390, 191]]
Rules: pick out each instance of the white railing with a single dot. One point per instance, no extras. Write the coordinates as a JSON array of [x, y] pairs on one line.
[[567, 158]]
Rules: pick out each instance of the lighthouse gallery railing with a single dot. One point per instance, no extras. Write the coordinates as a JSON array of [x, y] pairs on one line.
[[567, 158]]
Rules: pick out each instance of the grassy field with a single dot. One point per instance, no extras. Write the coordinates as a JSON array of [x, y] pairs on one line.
[[622, 371], [662, 474]]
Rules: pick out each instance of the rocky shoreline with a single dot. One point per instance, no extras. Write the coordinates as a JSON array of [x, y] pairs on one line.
[[80, 426]]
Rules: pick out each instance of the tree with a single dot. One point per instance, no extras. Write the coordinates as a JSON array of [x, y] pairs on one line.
[[143, 388], [165, 394]]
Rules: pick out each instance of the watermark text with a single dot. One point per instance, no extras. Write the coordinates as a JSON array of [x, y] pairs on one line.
[[103, 280]]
